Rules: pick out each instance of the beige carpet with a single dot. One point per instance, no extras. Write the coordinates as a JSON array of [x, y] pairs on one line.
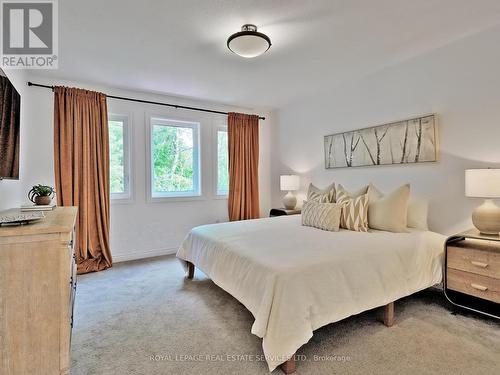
[[143, 317]]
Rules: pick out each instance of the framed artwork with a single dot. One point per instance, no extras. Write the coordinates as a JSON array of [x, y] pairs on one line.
[[403, 142]]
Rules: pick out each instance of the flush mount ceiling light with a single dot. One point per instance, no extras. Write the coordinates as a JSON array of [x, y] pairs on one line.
[[248, 42]]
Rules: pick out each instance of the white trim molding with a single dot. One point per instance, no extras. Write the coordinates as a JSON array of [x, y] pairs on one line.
[[128, 195], [144, 254]]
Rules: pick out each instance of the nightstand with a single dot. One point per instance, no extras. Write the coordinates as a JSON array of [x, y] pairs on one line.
[[472, 272], [283, 212]]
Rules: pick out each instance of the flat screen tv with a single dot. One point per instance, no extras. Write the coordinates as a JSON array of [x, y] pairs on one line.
[[10, 113]]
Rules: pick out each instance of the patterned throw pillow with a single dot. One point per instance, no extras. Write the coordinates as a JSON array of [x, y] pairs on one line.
[[324, 216], [326, 195], [354, 211], [341, 191]]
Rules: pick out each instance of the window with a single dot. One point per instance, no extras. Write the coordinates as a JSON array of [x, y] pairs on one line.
[[174, 158], [119, 157], [222, 162]]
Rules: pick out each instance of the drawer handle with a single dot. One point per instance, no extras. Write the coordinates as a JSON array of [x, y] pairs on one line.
[[479, 264], [479, 287]]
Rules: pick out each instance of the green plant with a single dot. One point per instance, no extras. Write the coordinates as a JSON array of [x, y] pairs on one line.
[[40, 191], [43, 190]]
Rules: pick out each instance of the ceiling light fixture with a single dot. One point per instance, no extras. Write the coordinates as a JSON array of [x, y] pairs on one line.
[[248, 42]]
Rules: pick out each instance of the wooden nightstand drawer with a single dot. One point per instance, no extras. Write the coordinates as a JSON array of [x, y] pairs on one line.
[[476, 285], [475, 260]]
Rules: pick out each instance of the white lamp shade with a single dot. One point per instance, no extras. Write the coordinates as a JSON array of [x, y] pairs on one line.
[[289, 182], [482, 183]]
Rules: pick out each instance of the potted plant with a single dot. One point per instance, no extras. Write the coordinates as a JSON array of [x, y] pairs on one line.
[[41, 194]]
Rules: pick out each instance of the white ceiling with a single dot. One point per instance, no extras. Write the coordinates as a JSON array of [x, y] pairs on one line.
[[179, 47]]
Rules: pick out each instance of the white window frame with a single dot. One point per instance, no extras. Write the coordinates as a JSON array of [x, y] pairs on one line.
[[174, 196], [126, 196], [218, 194]]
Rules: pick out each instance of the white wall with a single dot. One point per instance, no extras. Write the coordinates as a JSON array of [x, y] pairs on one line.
[[460, 82], [139, 228], [11, 193]]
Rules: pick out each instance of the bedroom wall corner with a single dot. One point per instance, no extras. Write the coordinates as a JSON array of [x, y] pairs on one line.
[[458, 82]]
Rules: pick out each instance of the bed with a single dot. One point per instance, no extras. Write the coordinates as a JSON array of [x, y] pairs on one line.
[[295, 279]]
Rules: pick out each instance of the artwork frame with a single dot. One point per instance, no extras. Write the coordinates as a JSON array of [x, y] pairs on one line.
[[408, 141]]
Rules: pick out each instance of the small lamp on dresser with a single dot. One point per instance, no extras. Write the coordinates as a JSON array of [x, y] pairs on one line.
[[484, 183], [289, 183]]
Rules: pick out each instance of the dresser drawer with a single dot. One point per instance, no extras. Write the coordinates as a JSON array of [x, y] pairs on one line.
[[473, 284], [474, 260]]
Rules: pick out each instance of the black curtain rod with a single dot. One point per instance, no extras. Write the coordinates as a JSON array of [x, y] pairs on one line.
[[149, 102]]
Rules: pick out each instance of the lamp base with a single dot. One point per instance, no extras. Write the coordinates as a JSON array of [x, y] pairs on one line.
[[289, 201], [486, 218]]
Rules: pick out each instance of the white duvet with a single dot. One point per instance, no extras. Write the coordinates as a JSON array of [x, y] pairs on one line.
[[295, 279]]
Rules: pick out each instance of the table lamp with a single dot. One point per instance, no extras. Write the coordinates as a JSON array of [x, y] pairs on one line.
[[289, 183], [484, 183]]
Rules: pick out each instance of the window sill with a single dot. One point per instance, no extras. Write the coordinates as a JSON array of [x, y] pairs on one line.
[[123, 199], [221, 197], [186, 198]]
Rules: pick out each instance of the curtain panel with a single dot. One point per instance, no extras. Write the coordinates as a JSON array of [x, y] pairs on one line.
[[81, 156], [243, 145]]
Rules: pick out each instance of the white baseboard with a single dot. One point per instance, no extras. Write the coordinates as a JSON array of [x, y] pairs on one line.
[[133, 255]]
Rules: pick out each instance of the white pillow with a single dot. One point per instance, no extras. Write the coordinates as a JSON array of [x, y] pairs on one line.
[[389, 212], [417, 214]]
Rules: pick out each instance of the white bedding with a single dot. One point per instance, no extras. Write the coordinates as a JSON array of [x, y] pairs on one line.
[[295, 279]]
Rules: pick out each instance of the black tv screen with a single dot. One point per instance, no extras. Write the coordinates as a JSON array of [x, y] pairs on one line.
[[10, 113]]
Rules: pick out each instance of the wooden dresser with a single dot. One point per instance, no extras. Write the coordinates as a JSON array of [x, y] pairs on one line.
[[472, 272], [37, 289]]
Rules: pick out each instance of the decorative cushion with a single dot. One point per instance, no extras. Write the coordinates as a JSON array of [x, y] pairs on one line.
[[354, 210], [417, 214], [324, 216], [341, 191], [326, 195], [389, 212]]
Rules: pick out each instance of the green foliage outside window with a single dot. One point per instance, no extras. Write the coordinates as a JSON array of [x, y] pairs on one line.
[[116, 156], [222, 163], [172, 153]]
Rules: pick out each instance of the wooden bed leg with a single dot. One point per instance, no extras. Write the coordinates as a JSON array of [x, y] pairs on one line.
[[389, 314], [288, 367], [190, 271]]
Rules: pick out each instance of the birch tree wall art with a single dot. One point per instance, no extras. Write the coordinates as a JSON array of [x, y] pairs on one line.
[[402, 142]]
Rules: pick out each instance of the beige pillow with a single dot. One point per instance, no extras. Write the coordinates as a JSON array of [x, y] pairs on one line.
[[354, 211], [417, 214], [324, 216], [326, 195], [342, 192], [389, 212]]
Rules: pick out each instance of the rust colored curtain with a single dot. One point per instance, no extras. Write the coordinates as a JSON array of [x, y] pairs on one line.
[[81, 153], [10, 102], [243, 144]]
